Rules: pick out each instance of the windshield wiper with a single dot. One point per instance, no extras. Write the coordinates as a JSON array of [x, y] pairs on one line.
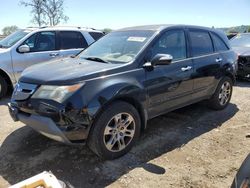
[[1, 46], [96, 59]]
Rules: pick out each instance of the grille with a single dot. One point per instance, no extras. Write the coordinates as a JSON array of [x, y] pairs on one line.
[[23, 91]]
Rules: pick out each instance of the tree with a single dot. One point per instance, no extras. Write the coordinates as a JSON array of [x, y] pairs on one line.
[[249, 29], [8, 30], [54, 11], [36, 10], [46, 11], [107, 30]]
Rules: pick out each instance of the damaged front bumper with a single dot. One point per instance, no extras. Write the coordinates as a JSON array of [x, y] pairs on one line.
[[69, 125]]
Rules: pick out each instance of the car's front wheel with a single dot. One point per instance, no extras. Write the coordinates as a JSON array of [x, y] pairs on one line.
[[222, 95], [115, 130]]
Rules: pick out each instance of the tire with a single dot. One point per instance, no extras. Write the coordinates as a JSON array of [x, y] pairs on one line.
[[3, 87], [222, 95], [115, 130]]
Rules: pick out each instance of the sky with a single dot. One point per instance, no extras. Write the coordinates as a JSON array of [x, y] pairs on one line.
[[117, 14]]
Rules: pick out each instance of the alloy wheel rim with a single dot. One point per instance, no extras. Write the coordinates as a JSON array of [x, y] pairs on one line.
[[119, 132], [225, 93]]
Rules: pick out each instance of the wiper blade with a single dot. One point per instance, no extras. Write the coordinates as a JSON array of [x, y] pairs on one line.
[[1, 46], [96, 59]]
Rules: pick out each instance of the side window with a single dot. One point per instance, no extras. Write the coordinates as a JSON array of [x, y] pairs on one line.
[[201, 43], [173, 43], [72, 40], [31, 42], [218, 43], [96, 35], [46, 41], [43, 41]]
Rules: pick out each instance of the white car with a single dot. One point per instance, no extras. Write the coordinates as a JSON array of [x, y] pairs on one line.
[[31, 46]]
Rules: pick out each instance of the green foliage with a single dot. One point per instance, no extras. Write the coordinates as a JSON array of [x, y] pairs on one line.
[[9, 29], [249, 29], [236, 29], [107, 30]]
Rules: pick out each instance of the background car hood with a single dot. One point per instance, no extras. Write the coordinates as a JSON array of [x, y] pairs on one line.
[[2, 50], [70, 70], [242, 51]]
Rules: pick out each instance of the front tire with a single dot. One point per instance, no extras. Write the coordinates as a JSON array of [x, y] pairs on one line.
[[115, 130], [3, 87], [222, 95]]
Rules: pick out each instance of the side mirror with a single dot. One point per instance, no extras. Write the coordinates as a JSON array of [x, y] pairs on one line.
[[24, 48], [162, 59]]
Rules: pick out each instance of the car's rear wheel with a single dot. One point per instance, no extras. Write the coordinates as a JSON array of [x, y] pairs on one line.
[[115, 130], [3, 87], [222, 95]]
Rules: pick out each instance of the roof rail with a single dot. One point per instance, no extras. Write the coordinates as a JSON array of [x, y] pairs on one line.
[[78, 27]]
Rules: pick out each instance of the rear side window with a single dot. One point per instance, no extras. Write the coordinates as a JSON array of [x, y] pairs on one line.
[[219, 45], [72, 40], [96, 35], [201, 43], [173, 43]]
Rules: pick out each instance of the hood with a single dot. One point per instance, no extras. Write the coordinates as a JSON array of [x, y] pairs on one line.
[[242, 51], [3, 50], [70, 70]]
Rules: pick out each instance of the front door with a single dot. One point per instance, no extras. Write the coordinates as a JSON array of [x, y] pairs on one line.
[[43, 47], [170, 86]]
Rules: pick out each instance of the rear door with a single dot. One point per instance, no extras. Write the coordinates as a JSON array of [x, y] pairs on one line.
[[71, 43], [170, 86], [207, 63], [43, 47]]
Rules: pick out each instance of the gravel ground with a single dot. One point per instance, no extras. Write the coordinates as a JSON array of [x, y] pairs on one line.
[[190, 147]]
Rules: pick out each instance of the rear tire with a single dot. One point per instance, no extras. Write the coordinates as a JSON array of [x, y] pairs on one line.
[[115, 130], [222, 95], [3, 87]]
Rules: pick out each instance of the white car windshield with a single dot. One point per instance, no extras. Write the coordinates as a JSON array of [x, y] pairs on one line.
[[117, 47], [13, 38]]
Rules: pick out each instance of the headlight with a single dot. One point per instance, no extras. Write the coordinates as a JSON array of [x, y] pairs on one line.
[[56, 93]]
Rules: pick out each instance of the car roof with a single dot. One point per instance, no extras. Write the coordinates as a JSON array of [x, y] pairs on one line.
[[165, 26], [64, 28]]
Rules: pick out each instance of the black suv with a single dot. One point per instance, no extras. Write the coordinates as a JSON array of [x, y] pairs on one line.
[[105, 96]]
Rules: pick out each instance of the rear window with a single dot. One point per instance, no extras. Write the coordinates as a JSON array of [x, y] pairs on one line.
[[72, 40], [96, 35], [201, 43], [219, 45]]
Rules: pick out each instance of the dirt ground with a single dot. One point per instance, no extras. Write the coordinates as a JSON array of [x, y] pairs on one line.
[[190, 147]]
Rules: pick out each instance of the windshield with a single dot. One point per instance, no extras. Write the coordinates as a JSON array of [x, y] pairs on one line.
[[242, 40], [117, 47], [13, 38]]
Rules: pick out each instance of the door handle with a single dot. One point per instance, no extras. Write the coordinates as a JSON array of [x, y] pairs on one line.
[[183, 69], [218, 60], [54, 54]]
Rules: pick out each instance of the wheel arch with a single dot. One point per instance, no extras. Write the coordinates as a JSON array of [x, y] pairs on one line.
[[131, 94], [6, 76]]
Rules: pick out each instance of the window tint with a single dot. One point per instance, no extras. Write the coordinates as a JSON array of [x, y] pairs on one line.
[[72, 39], [31, 42], [96, 35], [173, 43], [43, 41], [201, 43], [219, 45]]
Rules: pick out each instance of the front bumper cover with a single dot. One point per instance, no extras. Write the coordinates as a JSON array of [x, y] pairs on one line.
[[69, 134]]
